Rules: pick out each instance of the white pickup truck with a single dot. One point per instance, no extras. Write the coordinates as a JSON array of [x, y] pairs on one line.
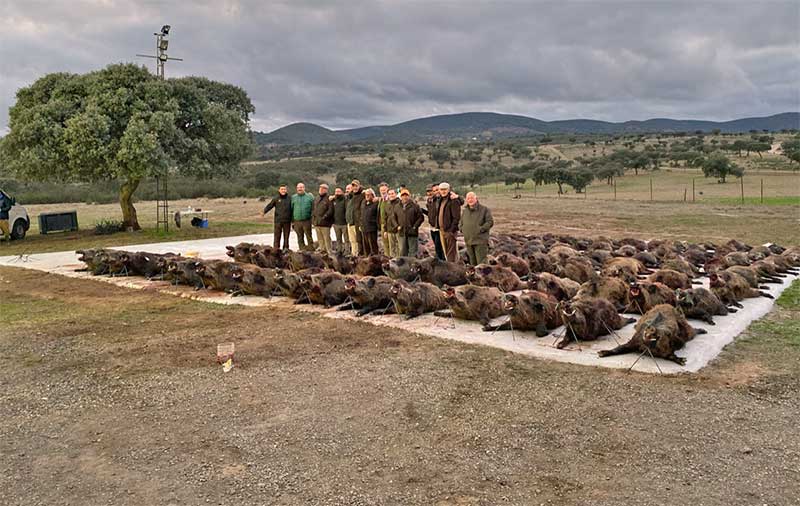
[[18, 220]]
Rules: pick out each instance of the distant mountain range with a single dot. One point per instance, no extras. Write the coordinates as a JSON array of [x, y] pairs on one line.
[[487, 125]]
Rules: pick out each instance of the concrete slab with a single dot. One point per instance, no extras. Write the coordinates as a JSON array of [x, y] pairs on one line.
[[698, 352]]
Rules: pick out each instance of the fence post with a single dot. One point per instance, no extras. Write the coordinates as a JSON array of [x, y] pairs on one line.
[[615, 190], [762, 190], [741, 183], [684, 194], [692, 189], [651, 189]]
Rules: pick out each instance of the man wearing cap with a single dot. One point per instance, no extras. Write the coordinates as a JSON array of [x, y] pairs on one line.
[[339, 204], [369, 223], [283, 217], [476, 221], [302, 206], [446, 215], [322, 219], [408, 217], [358, 204]]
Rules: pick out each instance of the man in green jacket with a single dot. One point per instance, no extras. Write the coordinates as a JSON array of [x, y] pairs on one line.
[[302, 204], [476, 221]]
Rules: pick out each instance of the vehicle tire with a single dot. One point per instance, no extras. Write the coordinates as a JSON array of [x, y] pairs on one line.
[[18, 232]]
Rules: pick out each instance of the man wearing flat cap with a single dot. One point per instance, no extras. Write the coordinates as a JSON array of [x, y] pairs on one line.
[[322, 219], [408, 217]]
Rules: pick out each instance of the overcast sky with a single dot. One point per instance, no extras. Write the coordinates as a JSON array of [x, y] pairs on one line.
[[347, 63]]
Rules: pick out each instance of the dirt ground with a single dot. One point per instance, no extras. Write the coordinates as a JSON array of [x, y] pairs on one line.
[[113, 396]]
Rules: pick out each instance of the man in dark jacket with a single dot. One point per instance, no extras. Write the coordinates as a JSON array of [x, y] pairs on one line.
[[476, 221], [358, 203], [283, 217], [447, 213], [369, 223], [352, 230], [409, 217], [339, 205], [322, 218], [431, 202]]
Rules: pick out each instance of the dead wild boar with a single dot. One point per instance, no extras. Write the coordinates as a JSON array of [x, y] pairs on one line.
[[578, 268], [644, 296], [681, 265], [146, 264], [243, 252], [439, 272], [612, 289], [271, 258], [326, 288], [343, 264], [369, 294], [495, 275], [255, 280], [647, 258], [588, 318], [401, 268], [519, 265], [539, 262], [300, 260], [701, 304], [672, 279], [559, 288], [416, 299], [370, 266], [531, 310], [636, 243], [217, 275], [472, 302], [629, 269], [730, 288], [290, 283], [184, 272], [662, 331], [751, 275], [626, 250]]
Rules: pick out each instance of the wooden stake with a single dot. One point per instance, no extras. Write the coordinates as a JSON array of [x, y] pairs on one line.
[[741, 183], [762, 190], [651, 189], [692, 189]]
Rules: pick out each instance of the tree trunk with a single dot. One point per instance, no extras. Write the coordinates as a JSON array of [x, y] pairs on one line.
[[129, 219]]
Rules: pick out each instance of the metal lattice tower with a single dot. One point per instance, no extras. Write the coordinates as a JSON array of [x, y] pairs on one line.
[[161, 58]]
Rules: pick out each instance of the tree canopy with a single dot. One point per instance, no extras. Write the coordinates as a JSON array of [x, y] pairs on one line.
[[718, 165], [122, 123]]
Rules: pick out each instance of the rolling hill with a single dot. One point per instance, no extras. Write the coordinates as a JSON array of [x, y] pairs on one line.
[[494, 125]]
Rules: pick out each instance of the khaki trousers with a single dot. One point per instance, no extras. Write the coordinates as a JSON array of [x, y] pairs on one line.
[[324, 239], [352, 233]]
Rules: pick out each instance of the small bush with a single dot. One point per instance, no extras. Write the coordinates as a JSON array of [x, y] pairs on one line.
[[107, 227]]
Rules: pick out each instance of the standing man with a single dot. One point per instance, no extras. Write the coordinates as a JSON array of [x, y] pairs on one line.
[[448, 214], [369, 223], [409, 217], [340, 221], [283, 217], [352, 230], [431, 202], [302, 205], [322, 219], [391, 223], [476, 221], [358, 203], [383, 201]]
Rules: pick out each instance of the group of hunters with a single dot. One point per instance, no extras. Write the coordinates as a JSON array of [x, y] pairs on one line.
[[360, 218]]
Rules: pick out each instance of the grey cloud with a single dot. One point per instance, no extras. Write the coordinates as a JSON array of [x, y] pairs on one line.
[[344, 64]]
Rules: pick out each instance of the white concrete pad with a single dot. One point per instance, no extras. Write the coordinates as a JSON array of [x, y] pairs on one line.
[[698, 352]]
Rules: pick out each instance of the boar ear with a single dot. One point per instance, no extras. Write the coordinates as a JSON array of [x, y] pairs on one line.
[[538, 305], [659, 318], [370, 282], [468, 293], [651, 288]]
